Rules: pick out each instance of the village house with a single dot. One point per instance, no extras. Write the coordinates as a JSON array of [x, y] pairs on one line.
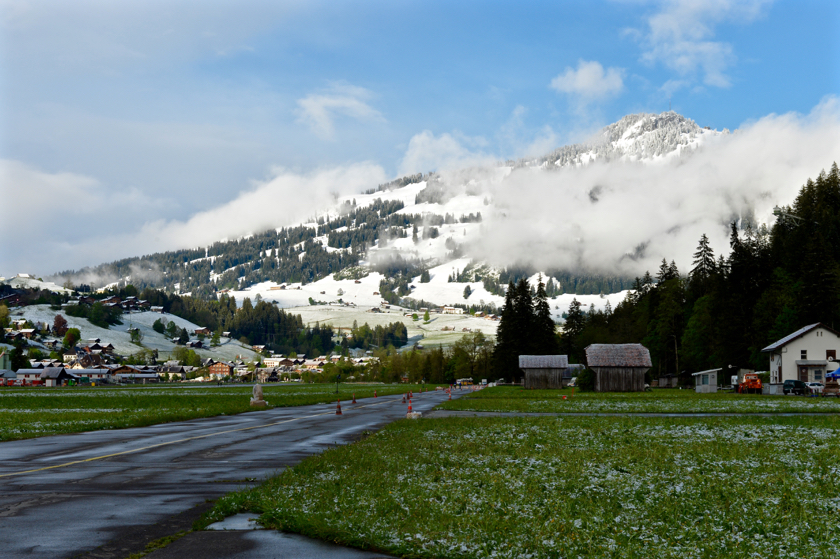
[[220, 369], [452, 310], [806, 355]]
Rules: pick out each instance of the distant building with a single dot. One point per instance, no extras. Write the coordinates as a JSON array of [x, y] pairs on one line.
[[806, 355], [618, 367], [543, 371]]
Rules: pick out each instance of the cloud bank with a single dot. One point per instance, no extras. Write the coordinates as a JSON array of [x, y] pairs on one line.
[[624, 218]]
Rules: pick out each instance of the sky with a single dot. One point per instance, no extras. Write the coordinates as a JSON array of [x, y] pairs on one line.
[[132, 127]]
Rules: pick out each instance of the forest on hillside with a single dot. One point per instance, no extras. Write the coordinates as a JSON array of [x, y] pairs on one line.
[[724, 311]]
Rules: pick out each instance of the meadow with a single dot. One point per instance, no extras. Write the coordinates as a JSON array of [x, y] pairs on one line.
[[38, 411], [523, 487], [516, 399]]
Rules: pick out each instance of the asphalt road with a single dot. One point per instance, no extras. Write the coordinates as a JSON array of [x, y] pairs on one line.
[[103, 493]]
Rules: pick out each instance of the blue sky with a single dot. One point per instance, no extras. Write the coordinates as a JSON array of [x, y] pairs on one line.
[[168, 109]]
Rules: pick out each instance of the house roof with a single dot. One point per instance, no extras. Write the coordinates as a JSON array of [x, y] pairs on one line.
[[798, 334], [543, 361], [618, 355]]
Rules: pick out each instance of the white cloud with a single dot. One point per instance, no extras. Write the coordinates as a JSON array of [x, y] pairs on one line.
[[589, 82], [320, 110], [549, 219], [82, 222], [681, 36]]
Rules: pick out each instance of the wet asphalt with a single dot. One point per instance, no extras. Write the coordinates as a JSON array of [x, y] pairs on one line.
[[105, 494]]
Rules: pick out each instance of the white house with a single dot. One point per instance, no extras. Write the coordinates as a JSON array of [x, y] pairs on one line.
[[452, 310], [806, 355]]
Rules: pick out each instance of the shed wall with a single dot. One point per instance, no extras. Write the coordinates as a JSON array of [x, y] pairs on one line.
[[619, 379], [543, 378]]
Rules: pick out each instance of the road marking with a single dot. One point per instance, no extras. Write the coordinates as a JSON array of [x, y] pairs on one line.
[[181, 441]]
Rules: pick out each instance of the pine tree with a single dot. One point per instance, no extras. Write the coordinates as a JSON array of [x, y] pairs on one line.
[[545, 337], [572, 329], [704, 261], [505, 357]]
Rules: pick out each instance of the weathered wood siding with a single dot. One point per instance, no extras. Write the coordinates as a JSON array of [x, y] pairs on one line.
[[543, 378], [619, 379]]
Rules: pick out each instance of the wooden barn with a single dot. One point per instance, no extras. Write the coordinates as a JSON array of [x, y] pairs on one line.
[[618, 367], [544, 371]]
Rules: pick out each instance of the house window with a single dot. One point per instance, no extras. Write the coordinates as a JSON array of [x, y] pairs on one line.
[[804, 354], [817, 374], [705, 379], [830, 354]]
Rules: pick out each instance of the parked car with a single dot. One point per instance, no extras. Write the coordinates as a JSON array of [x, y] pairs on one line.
[[816, 387], [796, 387]]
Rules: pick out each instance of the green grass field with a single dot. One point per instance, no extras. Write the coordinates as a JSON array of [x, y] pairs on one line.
[[39, 411], [507, 399], [569, 487]]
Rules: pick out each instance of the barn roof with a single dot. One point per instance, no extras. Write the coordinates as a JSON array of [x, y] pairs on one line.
[[798, 334], [618, 355], [543, 361]]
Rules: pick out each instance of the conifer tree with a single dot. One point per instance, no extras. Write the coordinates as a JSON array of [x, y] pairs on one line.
[[544, 334], [505, 357]]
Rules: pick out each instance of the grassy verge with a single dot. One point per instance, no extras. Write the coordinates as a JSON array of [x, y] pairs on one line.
[[568, 487], [35, 412], [505, 398]]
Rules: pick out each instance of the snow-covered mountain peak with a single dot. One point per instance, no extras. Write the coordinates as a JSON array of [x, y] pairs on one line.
[[643, 137]]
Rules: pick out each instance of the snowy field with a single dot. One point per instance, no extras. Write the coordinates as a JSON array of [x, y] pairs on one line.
[[439, 291], [418, 331]]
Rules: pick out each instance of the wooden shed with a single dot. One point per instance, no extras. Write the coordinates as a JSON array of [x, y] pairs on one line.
[[543, 371], [618, 367]]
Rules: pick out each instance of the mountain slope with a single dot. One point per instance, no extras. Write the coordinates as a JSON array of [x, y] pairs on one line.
[[434, 222]]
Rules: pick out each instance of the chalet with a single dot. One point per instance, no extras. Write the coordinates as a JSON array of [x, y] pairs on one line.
[[86, 300], [258, 348], [618, 367], [112, 300], [806, 355], [273, 361], [28, 333], [202, 332], [198, 344], [452, 310], [88, 362], [220, 369], [226, 334], [544, 371], [143, 304], [156, 309]]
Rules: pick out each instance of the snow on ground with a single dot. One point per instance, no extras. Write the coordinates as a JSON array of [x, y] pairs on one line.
[[33, 283], [425, 334], [120, 338]]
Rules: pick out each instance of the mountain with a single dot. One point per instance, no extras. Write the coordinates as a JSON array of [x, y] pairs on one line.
[[420, 229]]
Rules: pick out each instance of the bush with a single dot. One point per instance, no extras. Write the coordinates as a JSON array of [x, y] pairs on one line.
[[585, 380]]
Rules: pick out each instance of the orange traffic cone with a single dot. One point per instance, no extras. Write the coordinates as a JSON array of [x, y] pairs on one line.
[[409, 405], [374, 393], [338, 408], [403, 398], [354, 397], [450, 394]]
